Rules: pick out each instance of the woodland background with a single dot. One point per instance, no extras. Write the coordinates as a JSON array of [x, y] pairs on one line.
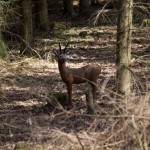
[[29, 77]]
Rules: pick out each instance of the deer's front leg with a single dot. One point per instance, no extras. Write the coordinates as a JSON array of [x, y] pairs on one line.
[[69, 92], [94, 89]]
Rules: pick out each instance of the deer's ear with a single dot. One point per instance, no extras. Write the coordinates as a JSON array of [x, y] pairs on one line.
[[68, 52], [55, 52]]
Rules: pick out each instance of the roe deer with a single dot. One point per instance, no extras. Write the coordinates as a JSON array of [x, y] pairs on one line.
[[71, 76]]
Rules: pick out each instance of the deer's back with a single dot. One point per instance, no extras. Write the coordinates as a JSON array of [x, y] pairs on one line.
[[90, 72]]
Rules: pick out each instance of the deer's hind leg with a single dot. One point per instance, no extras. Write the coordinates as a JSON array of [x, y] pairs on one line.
[[94, 88]]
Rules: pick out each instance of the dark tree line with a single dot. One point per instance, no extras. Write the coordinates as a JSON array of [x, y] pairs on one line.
[[40, 8], [26, 23]]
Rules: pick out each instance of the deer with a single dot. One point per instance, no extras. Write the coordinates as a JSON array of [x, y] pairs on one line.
[[70, 76]]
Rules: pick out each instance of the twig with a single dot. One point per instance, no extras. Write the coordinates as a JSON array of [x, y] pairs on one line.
[[27, 44], [79, 140], [100, 12]]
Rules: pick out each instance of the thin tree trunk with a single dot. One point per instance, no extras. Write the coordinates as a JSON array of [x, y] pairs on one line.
[[43, 14], [3, 51], [26, 27], [123, 52], [89, 103], [68, 7], [84, 5], [93, 1]]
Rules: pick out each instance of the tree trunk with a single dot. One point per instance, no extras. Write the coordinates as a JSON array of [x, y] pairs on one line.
[[84, 5], [123, 52], [26, 27], [43, 14], [89, 103], [68, 7], [3, 51], [93, 2]]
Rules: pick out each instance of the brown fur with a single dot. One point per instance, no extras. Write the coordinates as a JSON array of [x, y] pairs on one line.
[[71, 76]]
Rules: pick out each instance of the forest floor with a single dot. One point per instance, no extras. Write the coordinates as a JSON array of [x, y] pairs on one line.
[[27, 121]]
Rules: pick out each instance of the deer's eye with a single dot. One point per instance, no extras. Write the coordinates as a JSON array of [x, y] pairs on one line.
[[61, 57]]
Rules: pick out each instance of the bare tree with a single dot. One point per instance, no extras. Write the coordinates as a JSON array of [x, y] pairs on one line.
[[84, 5], [43, 14], [68, 7], [2, 44], [26, 31], [123, 52]]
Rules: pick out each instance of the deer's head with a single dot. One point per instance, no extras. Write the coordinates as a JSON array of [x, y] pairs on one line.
[[61, 54]]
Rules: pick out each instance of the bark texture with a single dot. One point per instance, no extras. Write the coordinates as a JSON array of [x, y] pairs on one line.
[[26, 31], [90, 104], [84, 5], [123, 52], [68, 7], [43, 14]]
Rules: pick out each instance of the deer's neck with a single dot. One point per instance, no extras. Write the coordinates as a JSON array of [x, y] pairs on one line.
[[62, 69]]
